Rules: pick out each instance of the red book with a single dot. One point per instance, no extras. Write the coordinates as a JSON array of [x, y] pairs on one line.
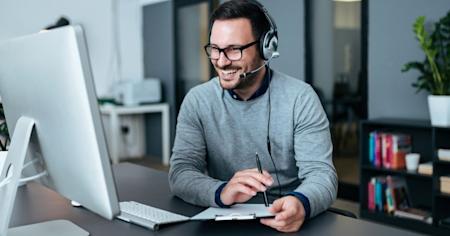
[[388, 152], [378, 150], [401, 145], [371, 195]]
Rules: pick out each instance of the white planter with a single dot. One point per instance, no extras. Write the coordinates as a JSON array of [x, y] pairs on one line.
[[439, 107]]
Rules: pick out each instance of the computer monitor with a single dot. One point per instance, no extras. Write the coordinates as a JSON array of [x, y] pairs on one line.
[[51, 109]]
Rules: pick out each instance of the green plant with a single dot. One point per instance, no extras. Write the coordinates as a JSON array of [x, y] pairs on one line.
[[435, 69], [3, 130]]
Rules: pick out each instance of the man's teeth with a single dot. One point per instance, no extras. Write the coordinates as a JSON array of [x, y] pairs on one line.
[[229, 72]]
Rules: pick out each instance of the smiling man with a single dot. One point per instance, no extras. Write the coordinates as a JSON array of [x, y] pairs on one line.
[[249, 108]]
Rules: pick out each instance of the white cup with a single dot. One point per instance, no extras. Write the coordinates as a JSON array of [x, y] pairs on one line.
[[412, 161]]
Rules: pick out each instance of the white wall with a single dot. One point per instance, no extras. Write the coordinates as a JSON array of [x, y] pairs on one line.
[[130, 35], [102, 24], [289, 18], [391, 44]]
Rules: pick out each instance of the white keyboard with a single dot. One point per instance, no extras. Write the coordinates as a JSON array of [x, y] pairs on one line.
[[147, 216]]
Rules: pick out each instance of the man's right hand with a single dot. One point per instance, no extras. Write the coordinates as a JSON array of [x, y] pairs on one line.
[[244, 185]]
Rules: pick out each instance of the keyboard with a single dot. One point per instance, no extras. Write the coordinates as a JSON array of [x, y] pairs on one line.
[[147, 216]]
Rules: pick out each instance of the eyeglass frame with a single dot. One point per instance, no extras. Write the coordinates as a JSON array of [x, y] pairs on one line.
[[240, 48]]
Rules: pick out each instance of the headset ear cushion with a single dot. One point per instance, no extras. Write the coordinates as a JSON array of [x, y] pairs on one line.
[[269, 45], [262, 45]]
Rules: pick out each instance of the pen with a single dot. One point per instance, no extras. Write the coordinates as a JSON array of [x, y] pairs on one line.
[[258, 163]]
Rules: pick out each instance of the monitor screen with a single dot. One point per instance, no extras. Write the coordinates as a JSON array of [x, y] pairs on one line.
[[47, 78]]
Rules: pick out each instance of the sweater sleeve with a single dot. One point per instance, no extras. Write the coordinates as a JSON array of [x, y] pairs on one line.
[[313, 153], [187, 175]]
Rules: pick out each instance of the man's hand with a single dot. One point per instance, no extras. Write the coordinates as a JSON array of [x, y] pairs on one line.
[[289, 214], [244, 185]]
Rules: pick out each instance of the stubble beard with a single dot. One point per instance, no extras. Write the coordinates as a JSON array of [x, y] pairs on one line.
[[242, 83]]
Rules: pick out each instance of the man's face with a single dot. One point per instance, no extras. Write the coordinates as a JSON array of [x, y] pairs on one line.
[[234, 32]]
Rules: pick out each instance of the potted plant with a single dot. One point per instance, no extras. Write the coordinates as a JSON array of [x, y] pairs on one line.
[[4, 134], [435, 69]]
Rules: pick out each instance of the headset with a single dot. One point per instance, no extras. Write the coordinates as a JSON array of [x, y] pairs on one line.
[[268, 42]]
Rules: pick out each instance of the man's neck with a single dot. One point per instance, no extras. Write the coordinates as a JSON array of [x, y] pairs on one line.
[[246, 93]]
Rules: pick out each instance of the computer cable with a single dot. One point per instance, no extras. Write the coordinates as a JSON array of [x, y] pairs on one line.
[[41, 174]]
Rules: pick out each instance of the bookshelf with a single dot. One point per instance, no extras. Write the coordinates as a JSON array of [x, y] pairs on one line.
[[423, 190]]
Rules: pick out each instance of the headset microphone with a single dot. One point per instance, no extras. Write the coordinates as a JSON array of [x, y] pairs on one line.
[[250, 73]]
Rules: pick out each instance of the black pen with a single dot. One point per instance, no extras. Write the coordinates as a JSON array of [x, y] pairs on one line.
[[258, 163]]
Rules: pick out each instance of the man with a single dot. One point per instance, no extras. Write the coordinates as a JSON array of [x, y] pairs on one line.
[[249, 108]]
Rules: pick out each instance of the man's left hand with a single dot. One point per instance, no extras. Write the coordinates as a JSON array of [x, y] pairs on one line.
[[289, 214]]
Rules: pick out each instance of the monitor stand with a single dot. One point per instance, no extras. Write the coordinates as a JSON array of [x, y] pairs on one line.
[[9, 179], [54, 227]]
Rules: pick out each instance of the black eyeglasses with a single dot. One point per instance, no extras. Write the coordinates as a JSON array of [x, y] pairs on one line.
[[233, 53]]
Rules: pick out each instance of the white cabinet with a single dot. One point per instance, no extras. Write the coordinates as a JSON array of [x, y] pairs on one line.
[[114, 139]]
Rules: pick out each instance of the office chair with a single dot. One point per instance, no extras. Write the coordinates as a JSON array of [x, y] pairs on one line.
[[342, 212]]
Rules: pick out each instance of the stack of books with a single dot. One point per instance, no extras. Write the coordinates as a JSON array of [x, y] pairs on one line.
[[388, 150], [415, 214], [444, 154], [387, 194], [426, 168], [445, 184]]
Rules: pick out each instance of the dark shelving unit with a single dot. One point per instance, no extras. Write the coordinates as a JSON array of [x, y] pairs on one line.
[[381, 171], [424, 190], [406, 223]]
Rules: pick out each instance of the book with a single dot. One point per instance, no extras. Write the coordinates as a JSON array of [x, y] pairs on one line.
[[426, 168], [377, 150], [372, 137], [371, 194], [387, 194], [384, 150], [445, 188], [444, 178], [414, 213], [397, 194], [388, 150], [390, 205], [401, 145], [380, 189], [445, 184], [444, 154]]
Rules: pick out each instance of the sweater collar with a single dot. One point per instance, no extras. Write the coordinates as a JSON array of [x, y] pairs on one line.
[[261, 90]]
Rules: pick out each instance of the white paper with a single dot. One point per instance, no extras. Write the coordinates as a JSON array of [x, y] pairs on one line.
[[259, 210]]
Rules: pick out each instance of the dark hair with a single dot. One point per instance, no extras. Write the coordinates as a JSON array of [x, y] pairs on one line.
[[243, 9]]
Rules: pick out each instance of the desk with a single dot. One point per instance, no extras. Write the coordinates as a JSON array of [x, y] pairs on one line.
[[35, 203], [115, 111]]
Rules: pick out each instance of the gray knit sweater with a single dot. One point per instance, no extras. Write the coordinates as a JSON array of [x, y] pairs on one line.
[[217, 136]]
